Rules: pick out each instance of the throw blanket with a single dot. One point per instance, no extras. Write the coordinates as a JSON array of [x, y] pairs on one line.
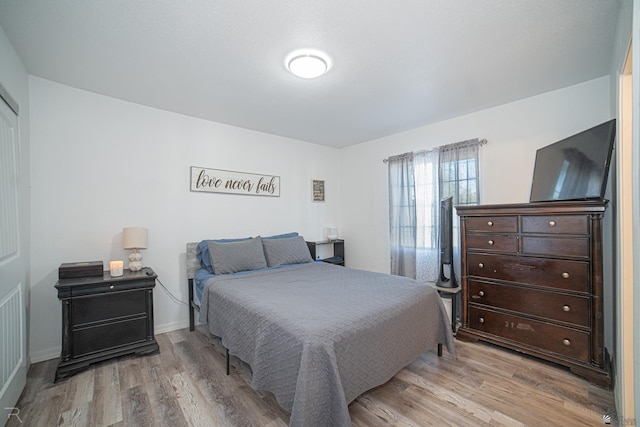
[[318, 335]]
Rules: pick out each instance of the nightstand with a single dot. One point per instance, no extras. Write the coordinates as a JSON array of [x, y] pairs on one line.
[[105, 317], [338, 251]]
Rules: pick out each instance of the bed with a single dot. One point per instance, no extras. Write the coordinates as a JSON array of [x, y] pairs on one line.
[[316, 335]]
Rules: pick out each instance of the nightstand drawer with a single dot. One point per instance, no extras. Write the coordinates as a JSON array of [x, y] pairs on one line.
[[554, 306], [493, 242], [556, 224], [493, 224], [556, 339], [549, 273], [110, 286], [105, 337], [100, 307]]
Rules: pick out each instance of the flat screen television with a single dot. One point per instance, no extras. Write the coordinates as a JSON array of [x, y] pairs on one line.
[[575, 168], [446, 244]]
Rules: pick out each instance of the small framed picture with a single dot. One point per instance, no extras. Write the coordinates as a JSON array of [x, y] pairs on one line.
[[317, 190]]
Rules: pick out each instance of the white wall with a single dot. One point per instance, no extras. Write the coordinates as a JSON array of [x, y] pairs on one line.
[[99, 164], [514, 131]]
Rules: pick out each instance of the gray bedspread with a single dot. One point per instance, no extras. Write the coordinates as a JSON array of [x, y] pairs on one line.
[[318, 335]]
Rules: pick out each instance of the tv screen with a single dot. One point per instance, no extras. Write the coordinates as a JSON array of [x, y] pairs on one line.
[[446, 230], [576, 167]]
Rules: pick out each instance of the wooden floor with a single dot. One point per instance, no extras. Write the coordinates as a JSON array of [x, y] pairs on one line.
[[186, 385]]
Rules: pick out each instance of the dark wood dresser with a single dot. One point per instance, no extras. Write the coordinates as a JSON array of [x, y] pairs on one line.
[[532, 281], [105, 317]]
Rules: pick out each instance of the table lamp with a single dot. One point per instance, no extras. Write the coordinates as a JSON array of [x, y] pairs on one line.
[[135, 238], [332, 234]]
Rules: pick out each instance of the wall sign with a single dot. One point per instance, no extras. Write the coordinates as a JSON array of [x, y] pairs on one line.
[[317, 190], [223, 181]]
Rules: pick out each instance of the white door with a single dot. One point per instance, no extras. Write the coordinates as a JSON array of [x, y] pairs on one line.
[[13, 366]]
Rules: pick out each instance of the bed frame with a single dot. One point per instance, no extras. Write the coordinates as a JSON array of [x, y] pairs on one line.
[[193, 265]]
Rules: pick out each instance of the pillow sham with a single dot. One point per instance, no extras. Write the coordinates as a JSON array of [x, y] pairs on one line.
[[203, 251], [292, 250], [205, 257], [232, 257]]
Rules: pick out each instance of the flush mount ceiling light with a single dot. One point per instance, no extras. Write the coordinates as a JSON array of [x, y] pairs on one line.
[[307, 65]]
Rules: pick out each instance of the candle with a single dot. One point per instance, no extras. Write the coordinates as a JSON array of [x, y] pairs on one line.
[[116, 268]]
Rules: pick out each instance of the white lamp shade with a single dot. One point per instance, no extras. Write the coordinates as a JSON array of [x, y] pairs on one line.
[[134, 237]]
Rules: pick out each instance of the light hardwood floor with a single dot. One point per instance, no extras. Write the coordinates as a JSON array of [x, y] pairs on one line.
[[186, 385]]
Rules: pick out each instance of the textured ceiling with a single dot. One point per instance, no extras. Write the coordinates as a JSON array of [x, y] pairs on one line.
[[396, 65]]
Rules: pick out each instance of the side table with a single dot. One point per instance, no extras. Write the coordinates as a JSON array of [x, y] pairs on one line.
[[105, 317], [453, 294]]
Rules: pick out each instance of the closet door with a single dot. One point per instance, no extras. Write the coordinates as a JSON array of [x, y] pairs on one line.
[[13, 369]]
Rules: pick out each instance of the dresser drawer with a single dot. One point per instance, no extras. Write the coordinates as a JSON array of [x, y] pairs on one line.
[[493, 242], [493, 224], [552, 338], [550, 273], [108, 336], [100, 307], [556, 224], [555, 246], [551, 305]]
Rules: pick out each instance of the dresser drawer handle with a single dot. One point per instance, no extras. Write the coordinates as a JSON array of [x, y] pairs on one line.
[[111, 287], [481, 320], [490, 223], [481, 293], [552, 223], [566, 308], [490, 242], [566, 342], [565, 275], [481, 265]]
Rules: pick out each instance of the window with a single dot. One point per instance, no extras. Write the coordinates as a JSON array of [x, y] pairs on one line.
[[417, 183]]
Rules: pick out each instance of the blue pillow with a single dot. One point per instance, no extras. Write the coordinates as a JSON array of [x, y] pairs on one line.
[[203, 247], [280, 236]]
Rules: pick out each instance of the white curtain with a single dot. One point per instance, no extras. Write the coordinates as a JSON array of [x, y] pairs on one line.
[[458, 166], [417, 183], [427, 215], [402, 215]]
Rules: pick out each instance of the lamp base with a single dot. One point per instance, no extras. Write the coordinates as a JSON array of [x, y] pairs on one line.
[[135, 261]]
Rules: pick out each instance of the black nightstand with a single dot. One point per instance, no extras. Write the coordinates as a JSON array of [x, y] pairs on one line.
[[105, 317], [338, 251]]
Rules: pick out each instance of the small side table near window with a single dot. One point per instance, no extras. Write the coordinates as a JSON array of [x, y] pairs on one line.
[[454, 295], [337, 246], [105, 317]]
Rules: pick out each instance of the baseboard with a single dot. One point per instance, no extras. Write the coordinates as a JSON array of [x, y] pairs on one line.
[[173, 326], [46, 354]]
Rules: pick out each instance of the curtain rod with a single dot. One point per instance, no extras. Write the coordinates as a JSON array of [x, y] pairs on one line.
[[482, 141]]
